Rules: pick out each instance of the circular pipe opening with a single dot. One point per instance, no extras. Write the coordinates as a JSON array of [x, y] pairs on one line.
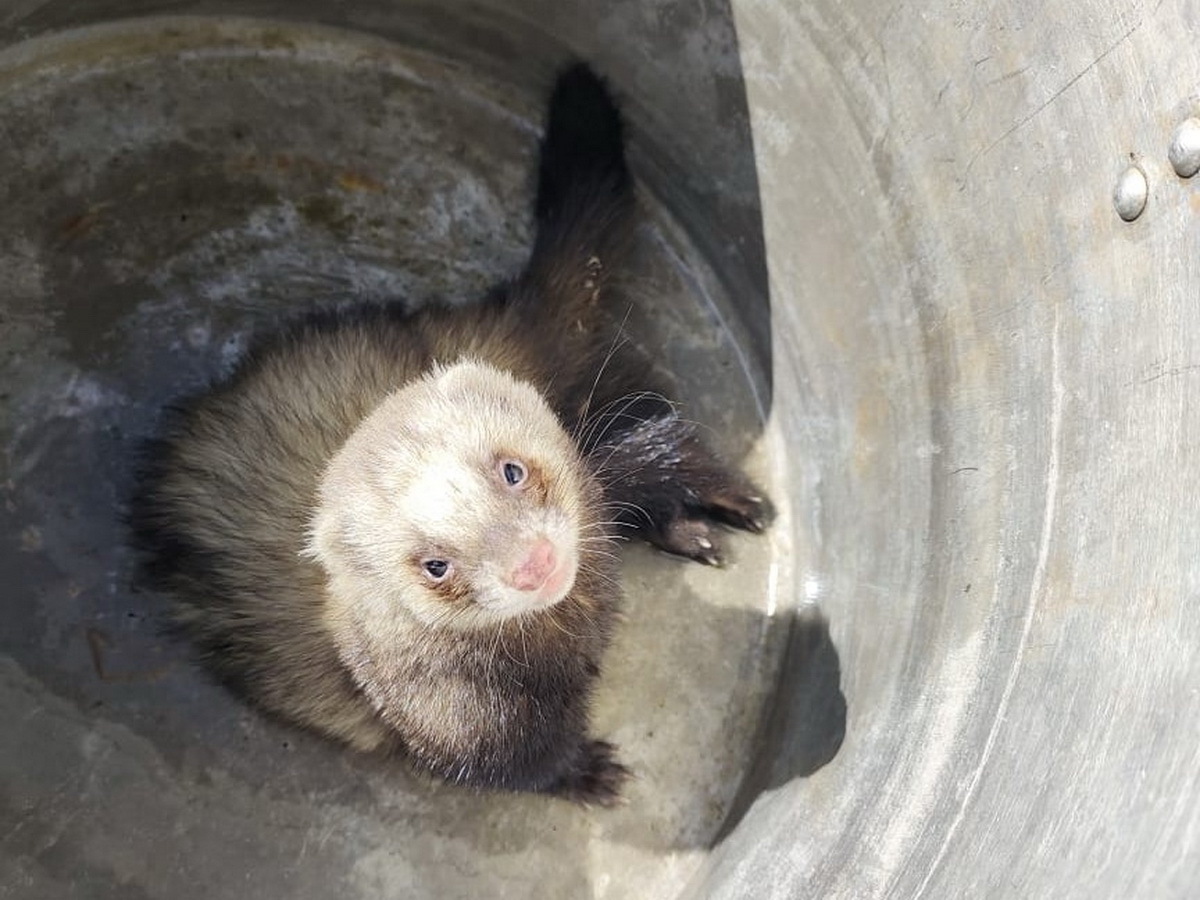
[[882, 259]]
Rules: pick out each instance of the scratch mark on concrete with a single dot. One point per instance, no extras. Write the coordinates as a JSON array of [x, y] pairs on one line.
[[1169, 373], [1042, 107], [1008, 76]]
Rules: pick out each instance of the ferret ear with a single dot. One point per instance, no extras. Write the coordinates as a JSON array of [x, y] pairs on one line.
[[325, 539]]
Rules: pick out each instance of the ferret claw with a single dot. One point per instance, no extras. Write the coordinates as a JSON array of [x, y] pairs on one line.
[[747, 511], [691, 538]]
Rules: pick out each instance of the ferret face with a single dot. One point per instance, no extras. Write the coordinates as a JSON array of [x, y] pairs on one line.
[[457, 502]]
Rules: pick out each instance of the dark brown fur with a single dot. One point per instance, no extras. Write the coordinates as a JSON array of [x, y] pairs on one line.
[[227, 499]]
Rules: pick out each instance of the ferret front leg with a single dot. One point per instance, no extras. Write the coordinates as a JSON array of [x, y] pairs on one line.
[[666, 485]]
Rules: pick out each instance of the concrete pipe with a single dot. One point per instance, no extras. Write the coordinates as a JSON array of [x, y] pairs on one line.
[[931, 274]]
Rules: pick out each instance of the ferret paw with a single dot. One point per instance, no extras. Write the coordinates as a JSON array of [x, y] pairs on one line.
[[692, 538], [743, 508], [598, 780], [671, 489], [690, 531]]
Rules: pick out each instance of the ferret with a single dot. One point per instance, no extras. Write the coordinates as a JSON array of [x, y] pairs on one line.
[[396, 528]]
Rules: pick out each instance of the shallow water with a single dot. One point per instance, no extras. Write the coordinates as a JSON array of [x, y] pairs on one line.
[[165, 188]]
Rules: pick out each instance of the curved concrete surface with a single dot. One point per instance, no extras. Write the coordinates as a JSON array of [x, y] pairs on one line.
[[989, 373], [977, 382]]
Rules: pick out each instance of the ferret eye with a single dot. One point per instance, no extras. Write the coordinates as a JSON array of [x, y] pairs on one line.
[[514, 472], [436, 569]]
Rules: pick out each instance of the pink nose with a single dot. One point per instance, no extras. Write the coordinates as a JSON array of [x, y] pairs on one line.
[[531, 573]]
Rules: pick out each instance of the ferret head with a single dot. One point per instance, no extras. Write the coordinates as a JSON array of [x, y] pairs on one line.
[[458, 502]]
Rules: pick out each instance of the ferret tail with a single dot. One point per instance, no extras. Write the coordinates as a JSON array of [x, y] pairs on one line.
[[585, 206], [582, 169]]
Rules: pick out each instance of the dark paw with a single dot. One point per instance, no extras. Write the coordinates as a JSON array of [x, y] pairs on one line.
[[690, 533], [692, 538], [745, 509], [671, 489], [599, 778]]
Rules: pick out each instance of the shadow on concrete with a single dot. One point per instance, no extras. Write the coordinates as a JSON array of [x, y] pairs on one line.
[[806, 722]]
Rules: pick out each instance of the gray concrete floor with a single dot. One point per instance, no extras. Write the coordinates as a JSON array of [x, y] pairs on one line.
[[138, 245]]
